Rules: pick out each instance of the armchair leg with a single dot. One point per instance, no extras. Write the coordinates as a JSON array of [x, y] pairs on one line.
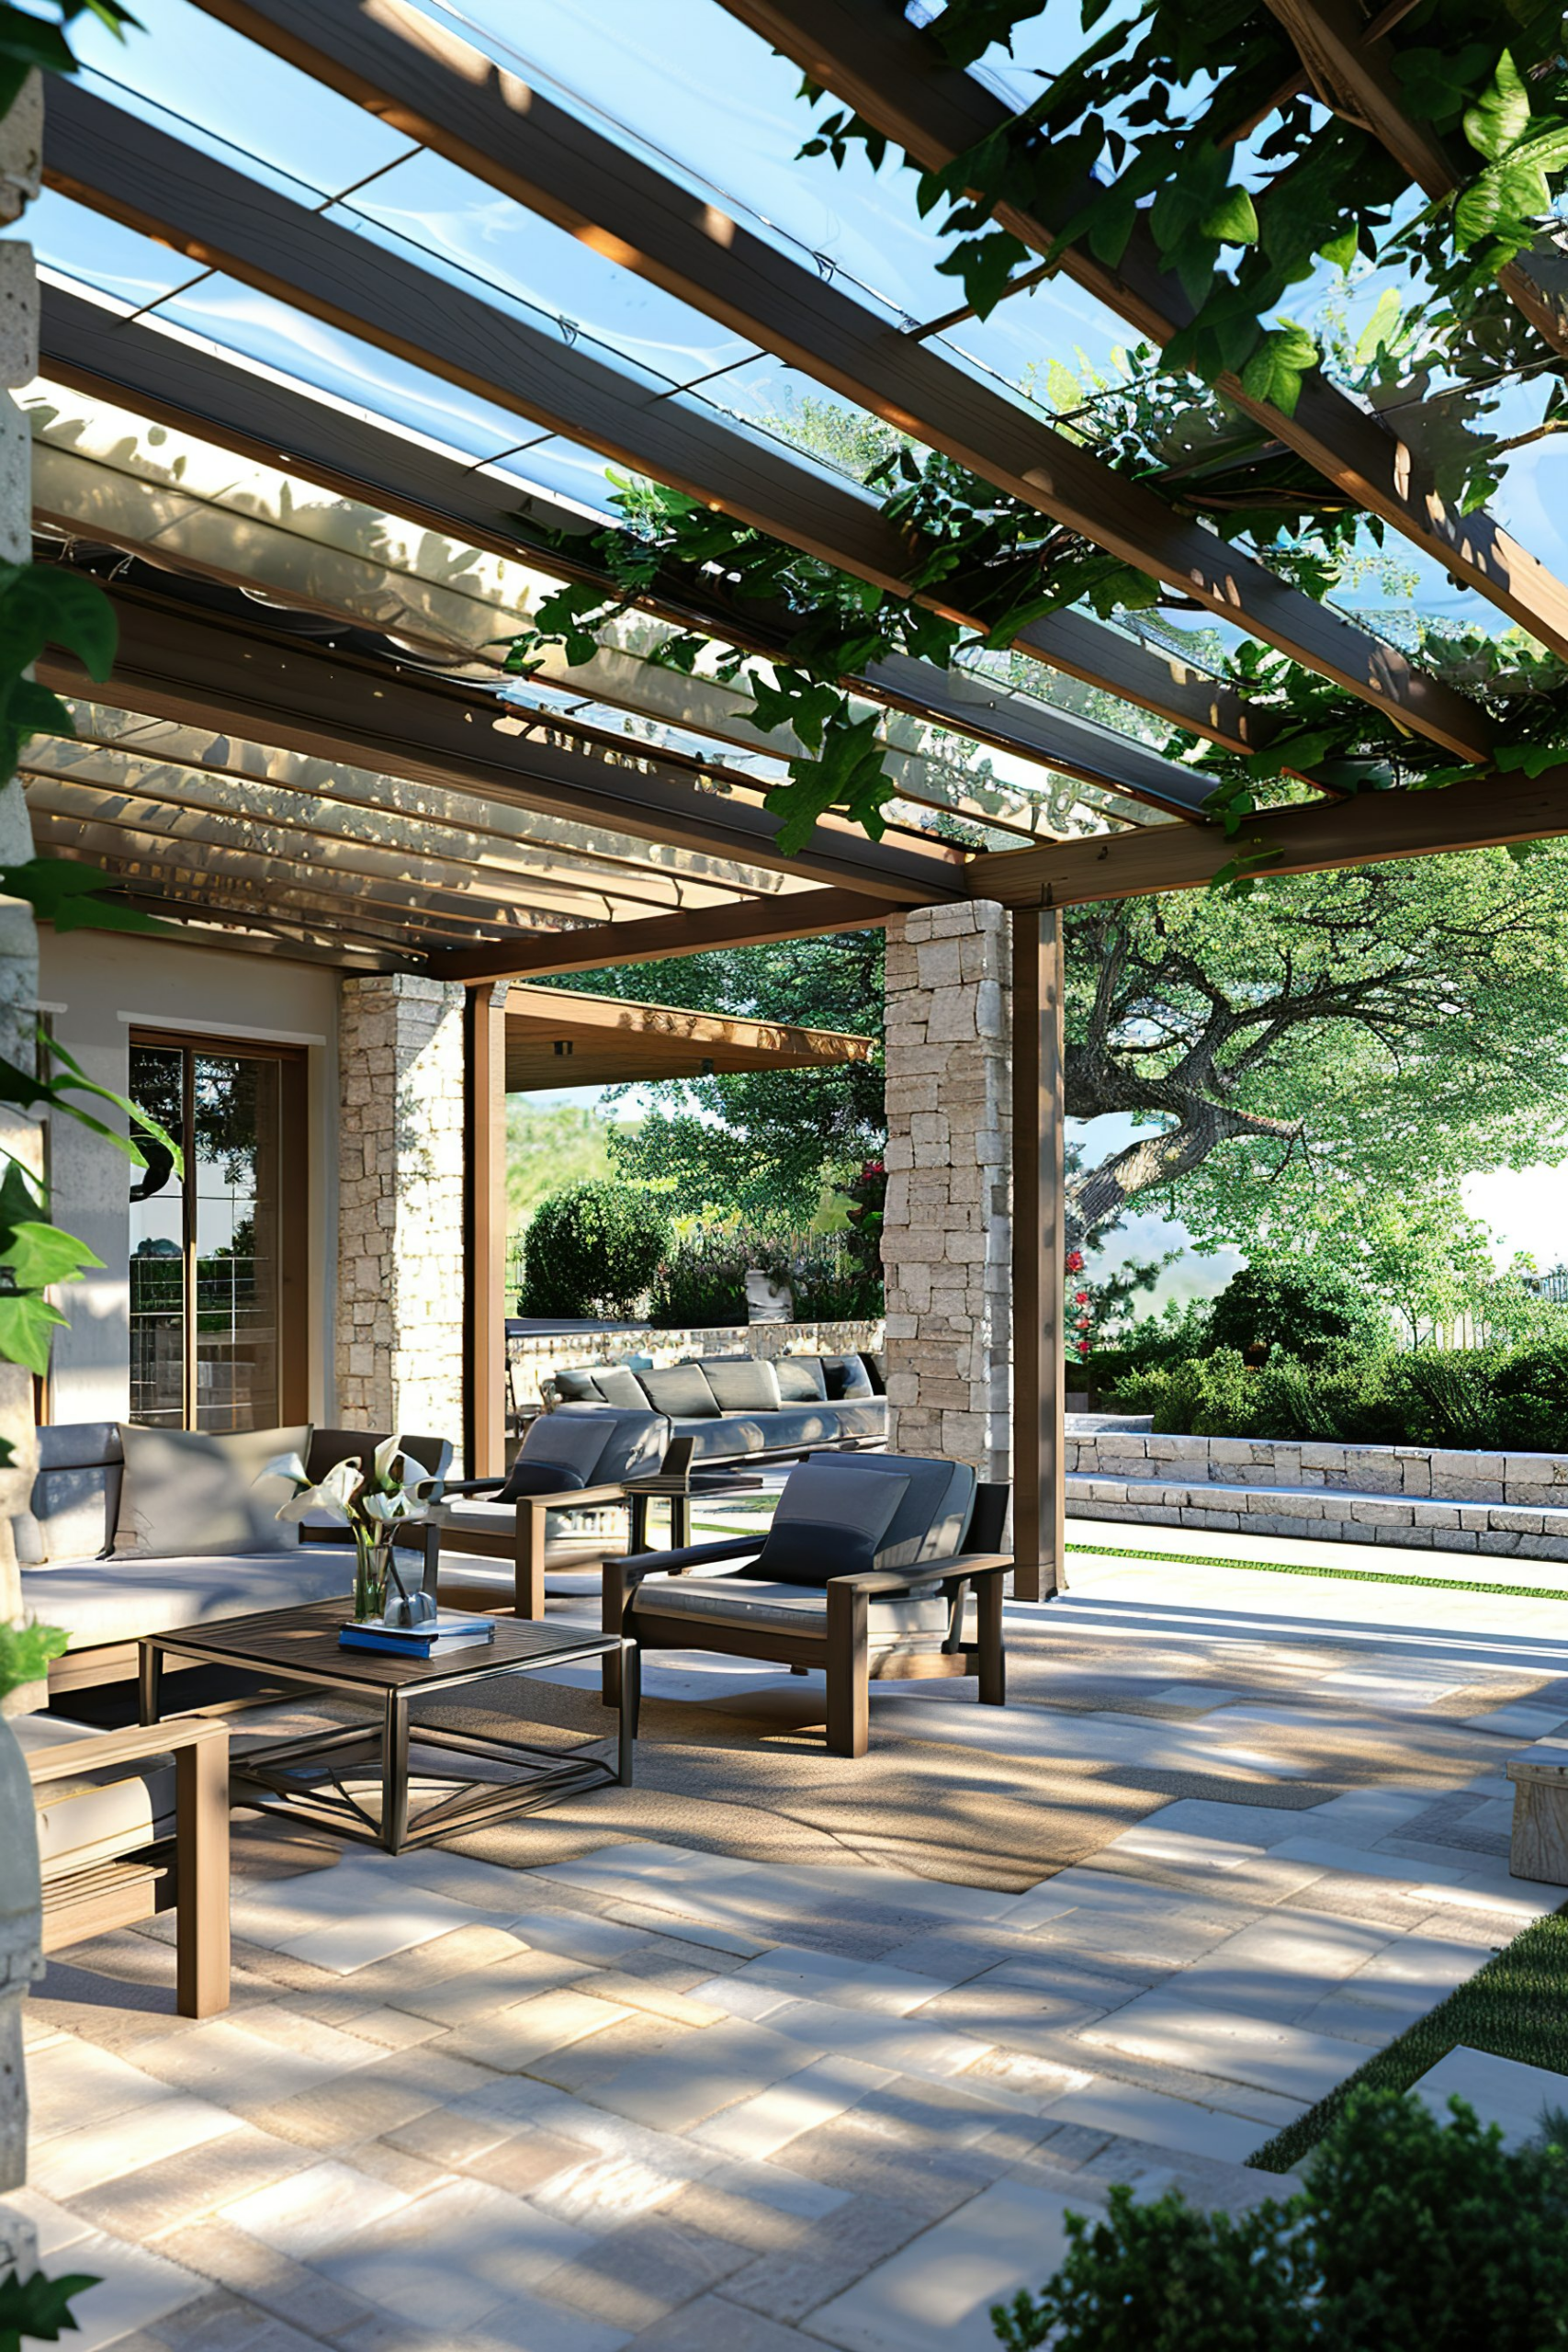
[[612, 1608], [848, 1665], [201, 1848], [528, 1594], [993, 1656]]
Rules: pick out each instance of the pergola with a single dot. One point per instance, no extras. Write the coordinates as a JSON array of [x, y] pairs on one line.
[[311, 741]]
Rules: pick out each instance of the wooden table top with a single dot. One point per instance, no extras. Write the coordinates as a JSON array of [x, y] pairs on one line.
[[304, 1641]]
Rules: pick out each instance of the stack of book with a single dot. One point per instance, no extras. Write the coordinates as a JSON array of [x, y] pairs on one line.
[[450, 1630]]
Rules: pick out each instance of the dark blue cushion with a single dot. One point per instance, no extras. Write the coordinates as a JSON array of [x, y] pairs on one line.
[[827, 1527]]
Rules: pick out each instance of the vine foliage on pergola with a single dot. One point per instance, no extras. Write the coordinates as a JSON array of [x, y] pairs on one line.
[[1202, 131]]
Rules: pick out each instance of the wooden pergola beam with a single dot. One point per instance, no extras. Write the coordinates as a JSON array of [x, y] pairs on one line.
[[1356, 77], [439, 89], [809, 915], [177, 661], [1486, 811], [876, 62]]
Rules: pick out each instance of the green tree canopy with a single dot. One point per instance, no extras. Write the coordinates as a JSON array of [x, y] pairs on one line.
[[1328, 1043], [761, 1142]]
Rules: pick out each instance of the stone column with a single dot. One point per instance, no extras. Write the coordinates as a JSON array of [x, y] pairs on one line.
[[945, 1242], [21, 1957], [400, 1272]]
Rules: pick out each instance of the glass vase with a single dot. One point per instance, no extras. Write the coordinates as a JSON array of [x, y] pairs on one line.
[[371, 1558]]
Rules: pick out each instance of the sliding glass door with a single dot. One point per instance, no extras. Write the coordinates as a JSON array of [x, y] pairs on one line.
[[217, 1252]]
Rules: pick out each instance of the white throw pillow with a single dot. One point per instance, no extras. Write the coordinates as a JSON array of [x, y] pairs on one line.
[[190, 1492]]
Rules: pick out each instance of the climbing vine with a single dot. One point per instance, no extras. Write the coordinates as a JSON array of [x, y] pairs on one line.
[[1201, 125]]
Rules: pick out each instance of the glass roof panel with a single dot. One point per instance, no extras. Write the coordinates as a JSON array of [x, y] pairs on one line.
[[430, 203], [187, 61], [82, 244]]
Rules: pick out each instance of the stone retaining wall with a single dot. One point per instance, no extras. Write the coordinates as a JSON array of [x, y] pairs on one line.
[[1451, 1501], [535, 1355]]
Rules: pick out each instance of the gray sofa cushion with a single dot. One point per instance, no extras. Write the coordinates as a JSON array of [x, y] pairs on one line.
[[846, 1377], [782, 1608], [682, 1392], [114, 1600], [741, 1384], [929, 1523], [735, 1434], [103, 1812], [575, 1385], [826, 1527], [189, 1491], [75, 1496], [615, 1386], [560, 1450], [800, 1380]]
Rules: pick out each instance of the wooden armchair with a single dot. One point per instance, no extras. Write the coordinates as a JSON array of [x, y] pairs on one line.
[[129, 1823], [574, 1459], [931, 1604]]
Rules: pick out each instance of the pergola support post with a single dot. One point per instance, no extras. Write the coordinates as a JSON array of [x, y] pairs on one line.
[[484, 1218], [1039, 1272]]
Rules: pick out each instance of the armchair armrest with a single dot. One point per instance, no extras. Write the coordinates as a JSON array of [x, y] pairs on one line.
[[692, 1556], [469, 1486], [934, 1574], [72, 1756], [572, 1498]]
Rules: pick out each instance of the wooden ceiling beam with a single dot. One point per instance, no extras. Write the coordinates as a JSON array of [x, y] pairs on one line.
[[883, 66], [134, 173], [437, 88], [810, 915], [1487, 811], [177, 660]]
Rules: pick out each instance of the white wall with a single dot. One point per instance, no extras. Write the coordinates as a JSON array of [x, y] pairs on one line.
[[95, 986]]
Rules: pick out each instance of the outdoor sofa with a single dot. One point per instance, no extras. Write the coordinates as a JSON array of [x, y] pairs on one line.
[[239, 1559], [875, 1566], [733, 1407]]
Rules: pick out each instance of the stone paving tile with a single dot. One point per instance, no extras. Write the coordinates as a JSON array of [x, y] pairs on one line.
[[641, 2273], [653, 2095], [844, 2247], [453, 2257]]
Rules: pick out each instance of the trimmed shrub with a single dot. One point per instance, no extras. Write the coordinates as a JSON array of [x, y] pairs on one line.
[[593, 1250], [1409, 2236], [1301, 1308]]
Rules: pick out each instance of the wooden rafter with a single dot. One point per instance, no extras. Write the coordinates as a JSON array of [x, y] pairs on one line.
[[874, 61], [810, 915], [161, 187], [1487, 811], [177, 662], [439, 89]]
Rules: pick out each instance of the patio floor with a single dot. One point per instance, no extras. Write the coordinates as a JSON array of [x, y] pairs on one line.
[[663, 2069]]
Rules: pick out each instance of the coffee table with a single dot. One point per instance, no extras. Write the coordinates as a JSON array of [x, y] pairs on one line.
[[300, 1646]]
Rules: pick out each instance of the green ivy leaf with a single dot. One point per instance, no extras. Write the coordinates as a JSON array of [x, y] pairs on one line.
[[1234, 220], [1530, 759], [28, 1323], [39, 2307], [984, 265], [1499, 120], [37, 1255], [1341, 250], [73, 898], [1275, 370]]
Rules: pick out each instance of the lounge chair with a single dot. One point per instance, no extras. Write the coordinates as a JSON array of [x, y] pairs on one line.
[[576, 1458], [875, 1566]]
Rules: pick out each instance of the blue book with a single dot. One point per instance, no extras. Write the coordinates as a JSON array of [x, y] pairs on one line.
[[449, 1632]]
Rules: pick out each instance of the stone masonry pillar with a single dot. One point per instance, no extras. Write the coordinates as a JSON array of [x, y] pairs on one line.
[[946, 1243], [400, 1272]]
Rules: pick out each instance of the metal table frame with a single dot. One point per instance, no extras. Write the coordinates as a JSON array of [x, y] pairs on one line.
[[269, 1779]]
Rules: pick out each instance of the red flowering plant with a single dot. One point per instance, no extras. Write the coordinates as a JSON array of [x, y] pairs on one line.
[[867, 1196], [1080, 1308]]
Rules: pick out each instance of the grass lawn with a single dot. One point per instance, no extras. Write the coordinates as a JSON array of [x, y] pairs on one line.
[[1289, 1569], [1517, 2006]]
